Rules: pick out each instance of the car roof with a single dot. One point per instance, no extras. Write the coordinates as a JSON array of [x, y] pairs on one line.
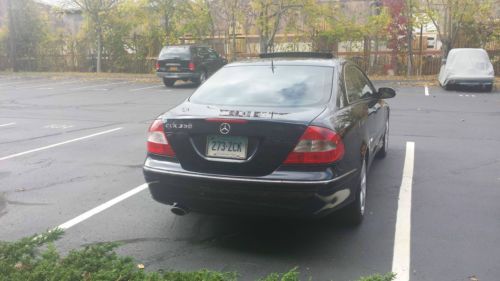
[[468, 50], [289, 61], [186, 46]]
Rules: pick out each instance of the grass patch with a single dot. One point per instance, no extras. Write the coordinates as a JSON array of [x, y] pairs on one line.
[[35, 258]]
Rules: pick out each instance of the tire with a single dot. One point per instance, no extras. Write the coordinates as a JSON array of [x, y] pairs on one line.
[[355, 212], [168, 82], [202, 79], [383, 151], [448, 87], [488, 88]]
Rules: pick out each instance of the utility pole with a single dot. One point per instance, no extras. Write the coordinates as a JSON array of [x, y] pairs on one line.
[[12, 37]]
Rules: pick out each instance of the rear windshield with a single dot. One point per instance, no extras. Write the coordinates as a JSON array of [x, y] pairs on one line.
[[267, 85], [175, 52]]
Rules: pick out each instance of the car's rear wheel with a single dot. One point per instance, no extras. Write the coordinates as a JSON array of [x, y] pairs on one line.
[[449, 87], [383, 151], [488, 87], [355, 211], [203, 78], [168, 82]]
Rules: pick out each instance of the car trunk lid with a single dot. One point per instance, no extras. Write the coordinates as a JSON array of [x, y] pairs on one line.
[[259, 140]]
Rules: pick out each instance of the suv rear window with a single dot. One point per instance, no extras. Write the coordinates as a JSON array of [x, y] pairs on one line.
[[266, 85], [175, 52]]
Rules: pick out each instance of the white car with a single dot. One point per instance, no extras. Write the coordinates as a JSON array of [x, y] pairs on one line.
[[467, 67]]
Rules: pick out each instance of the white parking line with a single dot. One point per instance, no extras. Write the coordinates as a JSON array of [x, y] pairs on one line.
[[100, 85], [57, 144], [8, 124], [426, 90], [402, 236], [18, 82], [54, 83], [102, 207], [145, 88]]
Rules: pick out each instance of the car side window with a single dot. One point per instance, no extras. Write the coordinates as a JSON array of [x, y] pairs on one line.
[[353, 84], [341, 95], [212, 54], [202, 52], [357, 85], [367, 91]]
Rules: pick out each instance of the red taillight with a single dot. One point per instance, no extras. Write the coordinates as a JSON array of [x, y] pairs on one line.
[[191, 66], [157, 141], [317, 146], [157, 66]]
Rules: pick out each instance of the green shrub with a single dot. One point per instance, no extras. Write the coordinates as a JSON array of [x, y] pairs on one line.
[[24, 261]]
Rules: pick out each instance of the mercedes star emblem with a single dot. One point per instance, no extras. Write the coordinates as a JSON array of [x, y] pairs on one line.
[[224, 128]]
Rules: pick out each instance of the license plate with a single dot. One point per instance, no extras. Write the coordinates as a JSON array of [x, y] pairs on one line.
[[227, 147], [172, 68]]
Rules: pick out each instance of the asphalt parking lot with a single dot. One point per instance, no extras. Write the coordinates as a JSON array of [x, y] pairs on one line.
[[69, 145]]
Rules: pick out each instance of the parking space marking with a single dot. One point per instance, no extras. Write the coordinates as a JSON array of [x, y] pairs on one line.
[[54, 83], [402, 236], [102, 207], [100, 85], [426, 90], [18, 82], [58, 144], [8, 124], [145, 88]]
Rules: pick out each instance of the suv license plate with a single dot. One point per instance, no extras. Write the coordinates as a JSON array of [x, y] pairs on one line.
[[227, 147], [172, 68]]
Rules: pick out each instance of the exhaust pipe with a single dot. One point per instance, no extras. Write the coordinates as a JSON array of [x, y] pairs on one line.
[[179, 210]]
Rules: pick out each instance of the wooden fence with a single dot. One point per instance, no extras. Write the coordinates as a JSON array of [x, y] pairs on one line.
[[378, 63]]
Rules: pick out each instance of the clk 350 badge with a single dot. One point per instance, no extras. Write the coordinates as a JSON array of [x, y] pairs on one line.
[[179, 126]]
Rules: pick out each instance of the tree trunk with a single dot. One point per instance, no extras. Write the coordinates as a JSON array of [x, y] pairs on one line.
[[233, 23], [410, 41], [366, 53], [421, 45], [99, 49], [12, 38], [263, 43]]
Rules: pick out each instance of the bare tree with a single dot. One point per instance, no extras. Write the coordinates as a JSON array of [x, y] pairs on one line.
[[96, 10], [454, 12], [269, 15]]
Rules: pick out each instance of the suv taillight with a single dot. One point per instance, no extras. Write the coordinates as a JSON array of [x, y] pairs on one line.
[[191, 66], [157, 140], [317, 146], [157, 66]]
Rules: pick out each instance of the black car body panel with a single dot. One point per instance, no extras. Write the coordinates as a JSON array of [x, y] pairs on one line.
[[262, 183], [286, 192], [175, 65]]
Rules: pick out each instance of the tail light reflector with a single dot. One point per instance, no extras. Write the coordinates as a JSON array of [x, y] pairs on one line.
[[157, 140], [191, 66], [157, 66], [317, 146]]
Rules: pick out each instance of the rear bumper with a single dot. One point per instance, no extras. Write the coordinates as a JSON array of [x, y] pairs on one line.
[[278, 194], [470, 81], [178, 75]]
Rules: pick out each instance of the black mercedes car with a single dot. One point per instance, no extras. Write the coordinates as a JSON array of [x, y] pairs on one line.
[[289, 134], [187, 62]]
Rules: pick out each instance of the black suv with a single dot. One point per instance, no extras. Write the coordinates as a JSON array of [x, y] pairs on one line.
[[187, 62]]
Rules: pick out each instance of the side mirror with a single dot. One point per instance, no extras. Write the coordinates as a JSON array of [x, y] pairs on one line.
[[386, 93]]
